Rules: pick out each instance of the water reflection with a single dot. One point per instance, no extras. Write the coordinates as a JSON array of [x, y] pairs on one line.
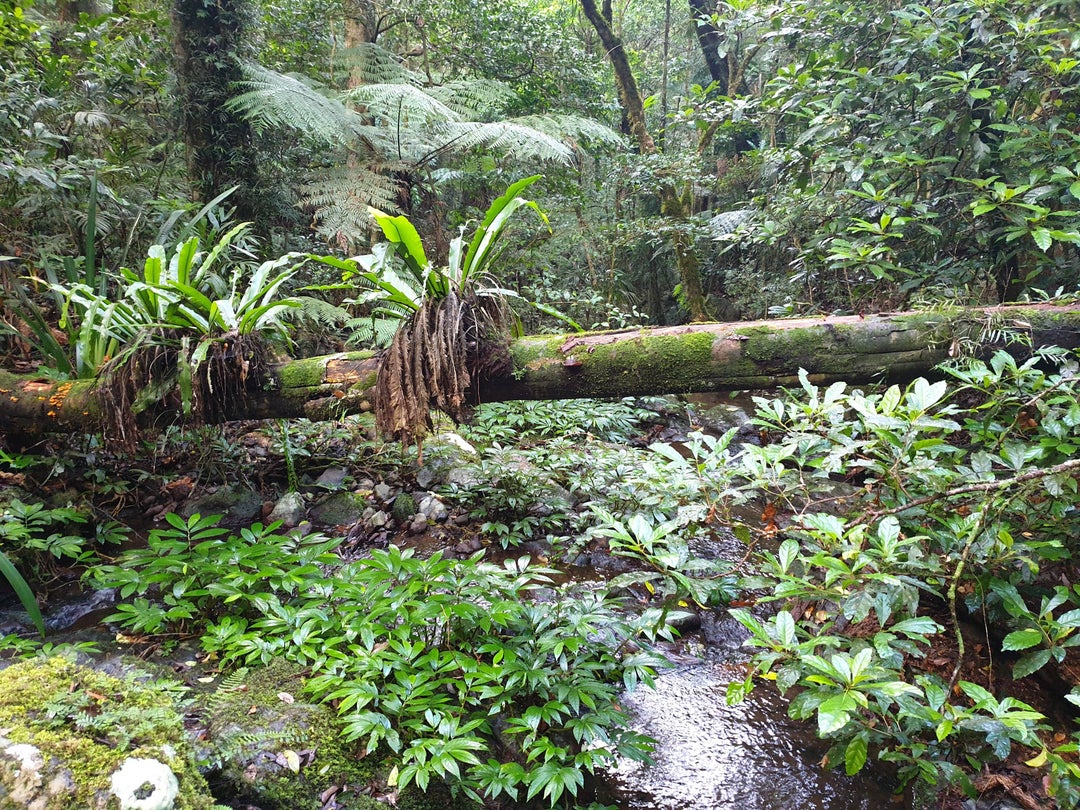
[[718, 757]]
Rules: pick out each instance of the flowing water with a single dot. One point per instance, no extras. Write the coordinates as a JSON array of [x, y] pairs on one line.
[[712, 756]]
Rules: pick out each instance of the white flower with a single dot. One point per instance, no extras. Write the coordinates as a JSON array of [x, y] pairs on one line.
[[145, 784]]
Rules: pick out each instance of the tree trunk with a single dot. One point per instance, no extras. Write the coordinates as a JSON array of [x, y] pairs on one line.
[[629, 96], [691, 295], [207, 43], [671, 360], [710, 39]]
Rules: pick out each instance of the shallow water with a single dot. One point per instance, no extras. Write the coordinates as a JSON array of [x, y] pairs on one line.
[[718, 757]]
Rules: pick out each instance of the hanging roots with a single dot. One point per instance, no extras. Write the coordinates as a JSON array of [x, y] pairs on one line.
[[431, 363], [135, 384]]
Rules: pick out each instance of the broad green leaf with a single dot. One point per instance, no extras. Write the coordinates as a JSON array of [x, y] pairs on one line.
[[1022, 639], [834, 713], [788, 551], [1032, 662], [855, 755]]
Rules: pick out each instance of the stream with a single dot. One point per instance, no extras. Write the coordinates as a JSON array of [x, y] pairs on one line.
[[712, 756]]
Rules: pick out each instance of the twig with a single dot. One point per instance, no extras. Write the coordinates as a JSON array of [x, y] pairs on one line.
[[954, 582], [968, 489]]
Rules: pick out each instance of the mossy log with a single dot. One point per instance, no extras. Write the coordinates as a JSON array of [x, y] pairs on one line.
[[672, 360]]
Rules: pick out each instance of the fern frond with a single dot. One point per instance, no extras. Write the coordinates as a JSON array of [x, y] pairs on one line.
[[473, 99], [275, 100], [317, 312], [369, 332], [574, 127], [340, 198], [513, 140], [401, 103], [372, 64]]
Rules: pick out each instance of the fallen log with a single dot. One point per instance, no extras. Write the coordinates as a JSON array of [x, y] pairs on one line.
[[633, 362]]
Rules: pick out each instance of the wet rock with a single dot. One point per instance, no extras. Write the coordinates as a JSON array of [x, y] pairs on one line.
[[269, 748], [237, 504], [290, 510], [433, 509], [339, 509], [332, 477], [468, 546], [444, 455], [51, 762], [27, 779]]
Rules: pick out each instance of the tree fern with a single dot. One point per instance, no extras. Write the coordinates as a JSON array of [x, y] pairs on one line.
[[276, 100], [473, 99], [401, 104], [575, 127], [505, 137], [370, 64], [340, 198]]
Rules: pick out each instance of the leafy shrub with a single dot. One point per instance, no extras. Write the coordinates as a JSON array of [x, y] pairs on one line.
[[447, 664], [967, 495]]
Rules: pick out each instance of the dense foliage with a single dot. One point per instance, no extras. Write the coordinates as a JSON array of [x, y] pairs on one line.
[[188, 187]]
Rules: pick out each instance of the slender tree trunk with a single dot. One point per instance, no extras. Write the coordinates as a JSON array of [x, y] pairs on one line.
[[670, 360], [710, 40], [207, 46], [691, 294], [625, 84]]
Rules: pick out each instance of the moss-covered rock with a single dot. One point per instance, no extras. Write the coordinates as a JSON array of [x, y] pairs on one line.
[[69, 730], [339, 509], [269, 748]]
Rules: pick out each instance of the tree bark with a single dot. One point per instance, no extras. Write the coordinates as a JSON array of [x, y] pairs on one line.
[[208, 48], [672, 360], [710, 39], [691, 295]]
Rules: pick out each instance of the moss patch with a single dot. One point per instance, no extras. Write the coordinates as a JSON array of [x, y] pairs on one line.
[[681, 361], [251, 726], [767, 346], [91, 723], [306, 373]]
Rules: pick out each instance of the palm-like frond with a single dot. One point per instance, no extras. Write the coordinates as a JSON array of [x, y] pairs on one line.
[[340, 198], [574, 127], [371, 64], [401, 104], [511, 139], [473, 99], [278, 100]]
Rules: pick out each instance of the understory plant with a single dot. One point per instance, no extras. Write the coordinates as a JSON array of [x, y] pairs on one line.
[[909, 509], [454, 670]]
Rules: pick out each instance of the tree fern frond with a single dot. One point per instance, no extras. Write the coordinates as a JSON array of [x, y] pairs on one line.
[[317, 311], [473, 99], [401, 103], [574, 127], [372, 64], [340, 198], [513, 140], [278, 100]]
